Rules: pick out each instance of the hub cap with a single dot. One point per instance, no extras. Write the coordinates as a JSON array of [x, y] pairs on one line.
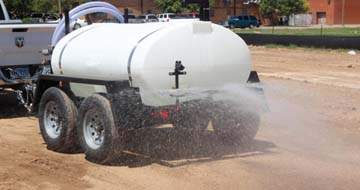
[[53, 124], [93, 128]]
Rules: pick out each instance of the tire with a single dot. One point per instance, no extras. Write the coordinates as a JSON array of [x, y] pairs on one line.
[[231, 26], [236, 127], [98, 135], [193, 118], [57, 114], [191, 124], [251, 26]]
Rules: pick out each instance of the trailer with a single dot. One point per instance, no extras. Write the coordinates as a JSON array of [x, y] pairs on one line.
[[107, 79]]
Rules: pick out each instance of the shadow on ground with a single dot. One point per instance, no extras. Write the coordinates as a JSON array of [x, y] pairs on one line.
[[172, 149], [9, 106], [163, 146]]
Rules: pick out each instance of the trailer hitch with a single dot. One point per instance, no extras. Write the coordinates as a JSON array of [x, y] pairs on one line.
[[26, 96]]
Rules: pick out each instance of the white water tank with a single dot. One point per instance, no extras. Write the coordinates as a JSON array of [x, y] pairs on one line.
[[145, 54]]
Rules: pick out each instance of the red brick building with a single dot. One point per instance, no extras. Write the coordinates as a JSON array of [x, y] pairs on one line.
[[136, 7], [222, 8], [335, 11]]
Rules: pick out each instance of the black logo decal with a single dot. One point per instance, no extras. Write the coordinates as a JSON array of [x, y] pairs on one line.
[[19, 42]]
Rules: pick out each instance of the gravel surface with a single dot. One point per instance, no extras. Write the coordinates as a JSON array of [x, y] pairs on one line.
[[309, 140]]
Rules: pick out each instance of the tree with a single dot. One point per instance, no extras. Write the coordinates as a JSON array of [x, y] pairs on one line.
[[44, 6], [23, 8], [273, 8], [20, 8], [72, 3], [51, 6], [175, 6]]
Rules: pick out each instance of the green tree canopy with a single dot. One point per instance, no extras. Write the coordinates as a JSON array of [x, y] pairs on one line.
[[269, 8], [175, 6], [44, 6], [23, 8], [20, 8]]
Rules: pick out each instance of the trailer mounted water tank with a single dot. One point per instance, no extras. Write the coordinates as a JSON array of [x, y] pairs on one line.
[[145, 54]]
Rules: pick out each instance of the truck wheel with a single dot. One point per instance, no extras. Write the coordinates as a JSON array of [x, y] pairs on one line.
[[57, 114], [251, 26], [98, 135], [194, 118], [234, 127], [191, 123], [231, 26]]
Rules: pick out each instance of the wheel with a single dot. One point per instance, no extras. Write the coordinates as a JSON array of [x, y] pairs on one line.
[[76, 26], [236, 127], [57, 114], [192, 119], [251, 26], [191, 123], [231, 26], [98, 135]]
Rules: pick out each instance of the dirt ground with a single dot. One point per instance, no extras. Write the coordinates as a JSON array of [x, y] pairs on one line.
[[309, 140]]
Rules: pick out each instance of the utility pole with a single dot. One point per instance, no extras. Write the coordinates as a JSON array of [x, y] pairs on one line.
[[234, 7], [142, 6], [343, 13], [59, 4], [204, 8]]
